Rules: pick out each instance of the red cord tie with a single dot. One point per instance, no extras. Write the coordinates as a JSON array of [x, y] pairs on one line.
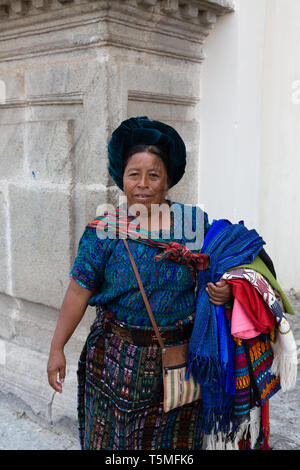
[[181, 254]]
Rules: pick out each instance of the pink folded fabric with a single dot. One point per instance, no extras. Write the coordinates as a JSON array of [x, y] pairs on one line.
[[241, 324]]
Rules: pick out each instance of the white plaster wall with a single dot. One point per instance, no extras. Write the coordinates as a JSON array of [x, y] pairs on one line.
[[250, 116], [231, 99], [280, 147]]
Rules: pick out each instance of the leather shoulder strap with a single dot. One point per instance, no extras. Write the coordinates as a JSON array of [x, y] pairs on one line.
[[160, 340]]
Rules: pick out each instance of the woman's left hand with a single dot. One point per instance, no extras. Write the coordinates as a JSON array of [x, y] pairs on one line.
[[219, 293]]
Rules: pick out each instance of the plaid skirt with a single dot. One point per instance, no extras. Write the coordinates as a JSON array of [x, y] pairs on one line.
[[120, 391]]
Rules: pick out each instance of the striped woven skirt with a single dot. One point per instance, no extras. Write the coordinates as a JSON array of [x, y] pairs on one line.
[[120, 391]]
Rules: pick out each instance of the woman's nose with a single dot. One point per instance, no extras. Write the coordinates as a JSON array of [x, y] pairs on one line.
[[143, 181]]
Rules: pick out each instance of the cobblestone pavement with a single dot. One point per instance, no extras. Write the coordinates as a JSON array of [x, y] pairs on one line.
[[21, 430]]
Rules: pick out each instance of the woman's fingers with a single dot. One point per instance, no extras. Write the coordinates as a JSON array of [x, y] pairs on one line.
[[219, 293], [52, 379], [56, 370], [220, 286], [62, 374]]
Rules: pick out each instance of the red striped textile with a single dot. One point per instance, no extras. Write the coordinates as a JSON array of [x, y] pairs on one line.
[[124, 226]]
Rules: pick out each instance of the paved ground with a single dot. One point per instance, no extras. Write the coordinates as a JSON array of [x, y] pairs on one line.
[[21, 430]]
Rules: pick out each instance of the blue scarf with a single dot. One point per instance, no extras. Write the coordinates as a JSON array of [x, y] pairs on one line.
[[228, 245], [211, 350]]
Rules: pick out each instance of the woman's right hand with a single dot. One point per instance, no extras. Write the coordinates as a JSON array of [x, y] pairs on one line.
[[56, 366], [73, 307]]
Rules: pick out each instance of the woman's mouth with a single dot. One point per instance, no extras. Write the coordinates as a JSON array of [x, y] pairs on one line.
[[142, 196]]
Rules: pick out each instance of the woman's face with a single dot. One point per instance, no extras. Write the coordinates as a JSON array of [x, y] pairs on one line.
[[145, 180]]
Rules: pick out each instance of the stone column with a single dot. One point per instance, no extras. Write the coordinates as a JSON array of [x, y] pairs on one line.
[[70, 72]]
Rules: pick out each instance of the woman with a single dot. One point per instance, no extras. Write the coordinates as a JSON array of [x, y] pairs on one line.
[[120, 386]]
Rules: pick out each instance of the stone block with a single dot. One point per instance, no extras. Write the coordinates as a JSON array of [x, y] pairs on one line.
[[25, 375], [31, 320], [40, 243], [63, 83], [164, 111], [208, 17], [186, 191], [169, 6], [39, 4], [11, 150], [12, 82], [17, 6], [7, 309], [4, 272], [72, 76], [2, 91], [148, 3], [189, 11], [92, 165], [171, 80], [2, 352], [86, 200], [49, 150]]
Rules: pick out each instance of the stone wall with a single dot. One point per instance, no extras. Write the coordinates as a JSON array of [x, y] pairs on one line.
[[70, 72]]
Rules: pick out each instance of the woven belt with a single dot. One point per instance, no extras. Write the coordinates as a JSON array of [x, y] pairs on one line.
[[141, 337]]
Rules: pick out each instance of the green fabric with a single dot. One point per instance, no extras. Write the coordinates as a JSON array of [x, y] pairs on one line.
[[259, 266]]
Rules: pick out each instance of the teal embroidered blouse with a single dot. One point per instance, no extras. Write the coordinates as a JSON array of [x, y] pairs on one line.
[[103, 266]]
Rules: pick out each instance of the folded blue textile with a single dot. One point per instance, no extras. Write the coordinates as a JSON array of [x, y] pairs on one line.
[[211, 349], [228, 245]]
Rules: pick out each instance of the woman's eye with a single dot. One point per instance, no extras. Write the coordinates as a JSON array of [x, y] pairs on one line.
[[135, 174]]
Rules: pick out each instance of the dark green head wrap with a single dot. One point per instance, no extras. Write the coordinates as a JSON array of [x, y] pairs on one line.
[[140, 130]]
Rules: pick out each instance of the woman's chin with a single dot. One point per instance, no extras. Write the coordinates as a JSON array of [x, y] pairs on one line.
[[144, 201], [148, 203]]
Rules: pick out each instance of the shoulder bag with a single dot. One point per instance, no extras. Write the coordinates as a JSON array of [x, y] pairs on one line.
[[177, 390]]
